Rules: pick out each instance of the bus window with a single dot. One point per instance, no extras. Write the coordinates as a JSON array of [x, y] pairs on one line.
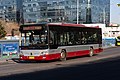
[[31, 38], [84, 37], [77, 38], [71, 38], [62, 38], [34, 37], [51, 41], [92, 37]]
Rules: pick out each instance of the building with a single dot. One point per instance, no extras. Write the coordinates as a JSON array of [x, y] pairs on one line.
[[2, 16], [8, 10], [100, 11], [88, 11], [19, 13], [11, 10]]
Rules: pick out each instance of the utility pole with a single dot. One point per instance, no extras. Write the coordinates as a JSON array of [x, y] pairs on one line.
[[77, 11]]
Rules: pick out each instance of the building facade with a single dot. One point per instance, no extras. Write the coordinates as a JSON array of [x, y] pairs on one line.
[[19, 13], [8, 10], [72, 11]]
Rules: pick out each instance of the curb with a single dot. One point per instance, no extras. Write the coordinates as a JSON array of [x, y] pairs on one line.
[[109, 47]]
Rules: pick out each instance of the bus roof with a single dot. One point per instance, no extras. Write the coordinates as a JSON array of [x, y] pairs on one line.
[[60, 24], [72, 25]]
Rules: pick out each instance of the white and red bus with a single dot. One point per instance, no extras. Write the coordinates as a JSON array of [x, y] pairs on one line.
[[49, 41]]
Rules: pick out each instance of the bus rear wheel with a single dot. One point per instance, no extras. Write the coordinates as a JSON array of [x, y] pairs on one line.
[[63, 55], [91, 53]]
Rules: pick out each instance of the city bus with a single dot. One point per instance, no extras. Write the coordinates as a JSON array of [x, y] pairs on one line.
[[50, 41]]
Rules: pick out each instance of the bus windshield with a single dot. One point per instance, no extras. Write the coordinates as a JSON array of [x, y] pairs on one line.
[[34, 39]]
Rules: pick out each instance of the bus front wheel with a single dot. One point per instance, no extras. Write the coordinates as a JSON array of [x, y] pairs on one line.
[[63, 55]]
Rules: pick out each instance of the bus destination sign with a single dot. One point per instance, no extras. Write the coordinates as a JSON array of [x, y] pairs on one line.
[[32, 28]]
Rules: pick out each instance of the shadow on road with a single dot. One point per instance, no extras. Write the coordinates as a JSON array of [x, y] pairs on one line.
[[101, 70]]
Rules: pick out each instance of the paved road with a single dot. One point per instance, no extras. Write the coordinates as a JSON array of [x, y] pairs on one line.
[[83, 68]]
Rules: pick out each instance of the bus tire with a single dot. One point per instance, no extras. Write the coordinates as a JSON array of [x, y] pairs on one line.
[[91, 52], [63, 55]]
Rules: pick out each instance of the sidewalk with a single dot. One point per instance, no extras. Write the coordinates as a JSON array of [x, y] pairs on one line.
[[3, 61], [8, 60]]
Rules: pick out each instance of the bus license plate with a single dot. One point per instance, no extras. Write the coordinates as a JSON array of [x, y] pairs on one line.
[[31, 57]]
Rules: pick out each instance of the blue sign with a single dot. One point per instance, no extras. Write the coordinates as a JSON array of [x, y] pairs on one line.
[[109, 42], [10, 48]]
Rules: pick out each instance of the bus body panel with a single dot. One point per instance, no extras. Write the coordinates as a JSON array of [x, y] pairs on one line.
[[51, 54]]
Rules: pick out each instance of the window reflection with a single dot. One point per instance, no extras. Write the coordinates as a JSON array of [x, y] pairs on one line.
[[74, 36], [34, 38]]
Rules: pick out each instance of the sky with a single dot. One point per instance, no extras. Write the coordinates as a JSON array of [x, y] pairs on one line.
[[115, 12]]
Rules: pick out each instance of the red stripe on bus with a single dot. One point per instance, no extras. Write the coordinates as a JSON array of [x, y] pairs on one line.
[[57, 55]]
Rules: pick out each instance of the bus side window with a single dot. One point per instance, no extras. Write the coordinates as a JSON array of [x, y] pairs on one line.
[[51, 41], [84, 38], [63, 38], [71, 38], [92, 37], [78, 38]]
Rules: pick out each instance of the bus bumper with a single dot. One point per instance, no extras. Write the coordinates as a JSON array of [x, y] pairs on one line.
[[40, 58]]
